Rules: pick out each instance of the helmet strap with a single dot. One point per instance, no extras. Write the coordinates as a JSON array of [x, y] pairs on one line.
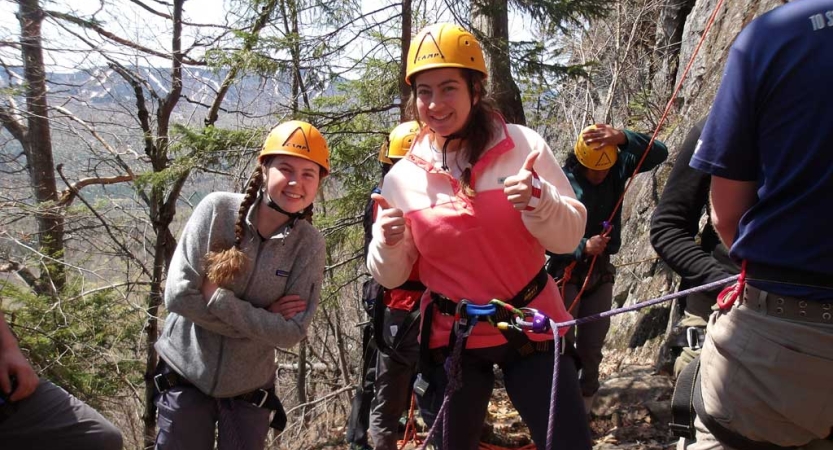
[[448, 140], [271, 203]]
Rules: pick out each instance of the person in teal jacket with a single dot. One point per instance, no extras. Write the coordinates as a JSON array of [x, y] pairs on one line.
[[598, 169]]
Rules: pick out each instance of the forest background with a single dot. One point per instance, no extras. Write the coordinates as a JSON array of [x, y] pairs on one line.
[[119, 116]]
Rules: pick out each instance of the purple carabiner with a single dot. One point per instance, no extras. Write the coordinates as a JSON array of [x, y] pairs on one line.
[[540, 323]]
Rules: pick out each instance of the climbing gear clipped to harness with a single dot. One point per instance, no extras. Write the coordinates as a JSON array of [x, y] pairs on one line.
[[495, 312], [444, 45], [297, 138], [727, 297], [261, 398]]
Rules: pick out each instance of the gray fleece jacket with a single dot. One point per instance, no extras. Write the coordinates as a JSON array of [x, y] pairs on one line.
[[226, 346]]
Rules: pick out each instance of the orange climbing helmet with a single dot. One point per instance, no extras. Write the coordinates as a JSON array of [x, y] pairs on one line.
[[444, 45], [297, 138], [399, 142], [595, 158]]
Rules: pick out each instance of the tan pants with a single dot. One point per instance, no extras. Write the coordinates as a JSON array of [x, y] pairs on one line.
[[767, 379]]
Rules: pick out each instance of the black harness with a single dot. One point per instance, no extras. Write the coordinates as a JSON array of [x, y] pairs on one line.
[[379, 321], [262, 398], [446, 306]]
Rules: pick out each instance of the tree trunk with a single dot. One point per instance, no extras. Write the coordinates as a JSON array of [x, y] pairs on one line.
[[490, 19], [404, 89], [37, 147], [162, 212]]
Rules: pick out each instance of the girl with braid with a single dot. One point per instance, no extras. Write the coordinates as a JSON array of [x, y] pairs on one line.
[[245, 279]]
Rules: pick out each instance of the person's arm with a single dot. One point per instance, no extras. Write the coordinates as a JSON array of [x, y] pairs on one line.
[[305, 280], [392, 253], [636, 146], [558, 219], [186, 273], [676, 220], [14, 364], [730, 200]]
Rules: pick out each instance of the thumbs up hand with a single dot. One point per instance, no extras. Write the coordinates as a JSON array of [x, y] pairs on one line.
[[519, 189], [391, 221]]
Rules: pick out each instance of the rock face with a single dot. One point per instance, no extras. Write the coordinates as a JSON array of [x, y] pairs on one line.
[[632, 408], [636, 337]]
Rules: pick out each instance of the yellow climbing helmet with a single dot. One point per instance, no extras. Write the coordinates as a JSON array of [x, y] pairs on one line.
[[297, 138], [444, 45], [399, 142], [595, 158]]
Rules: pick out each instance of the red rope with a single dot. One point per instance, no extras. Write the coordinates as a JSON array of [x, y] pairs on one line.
[[410, 428], [645, 154]]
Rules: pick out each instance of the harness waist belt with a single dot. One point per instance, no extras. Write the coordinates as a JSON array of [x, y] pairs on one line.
[[411, 285], [448, 306], [766, 272], [262, 398], [789, 308]]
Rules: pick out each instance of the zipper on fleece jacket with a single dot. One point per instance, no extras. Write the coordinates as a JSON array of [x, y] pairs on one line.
[[260, 244]]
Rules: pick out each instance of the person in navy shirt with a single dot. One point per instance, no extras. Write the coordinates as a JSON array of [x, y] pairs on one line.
[[768, 144]]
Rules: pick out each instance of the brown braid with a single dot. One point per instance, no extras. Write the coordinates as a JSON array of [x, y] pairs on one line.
[[224, 265], [479, 129]]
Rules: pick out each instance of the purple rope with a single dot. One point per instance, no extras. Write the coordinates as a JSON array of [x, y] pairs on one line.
[[454, 373], [557, 326], [645, 304], [551, 422]]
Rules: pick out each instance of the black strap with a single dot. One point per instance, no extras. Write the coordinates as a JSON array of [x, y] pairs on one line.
[[411, 285], [425, 362], [682, 409], [787, 275], [516, 339], [449, 307], [723, 434], [379, 321], [266, 398], [262, 398]]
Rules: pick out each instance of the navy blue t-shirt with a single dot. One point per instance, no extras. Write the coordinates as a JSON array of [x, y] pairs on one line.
[[772, 123]]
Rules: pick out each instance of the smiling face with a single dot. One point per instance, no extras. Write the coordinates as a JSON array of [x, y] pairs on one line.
[[443, 100], [292, 182]]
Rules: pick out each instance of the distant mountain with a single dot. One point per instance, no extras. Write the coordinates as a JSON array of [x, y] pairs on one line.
[[102, 85]]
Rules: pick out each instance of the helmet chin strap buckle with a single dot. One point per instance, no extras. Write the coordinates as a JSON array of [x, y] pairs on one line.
[[271, 203]]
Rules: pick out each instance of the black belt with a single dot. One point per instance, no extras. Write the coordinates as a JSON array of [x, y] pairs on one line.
[[787, 275], [262, 398], [411, 285], [445, 305]]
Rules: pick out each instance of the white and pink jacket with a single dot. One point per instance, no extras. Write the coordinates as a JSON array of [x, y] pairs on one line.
[[478, 248]]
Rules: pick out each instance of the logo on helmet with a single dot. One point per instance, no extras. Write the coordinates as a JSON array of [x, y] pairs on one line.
[[299, 143], [423, 54], [604, 160]]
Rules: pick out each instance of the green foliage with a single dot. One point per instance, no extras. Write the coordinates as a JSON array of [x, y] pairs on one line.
[[86, 344], [559, 15], [213, 146]]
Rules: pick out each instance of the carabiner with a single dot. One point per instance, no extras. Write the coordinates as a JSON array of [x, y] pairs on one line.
[[540, 323]]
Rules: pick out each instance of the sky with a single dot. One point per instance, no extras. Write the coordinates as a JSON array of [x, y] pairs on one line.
[[133, 23]]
